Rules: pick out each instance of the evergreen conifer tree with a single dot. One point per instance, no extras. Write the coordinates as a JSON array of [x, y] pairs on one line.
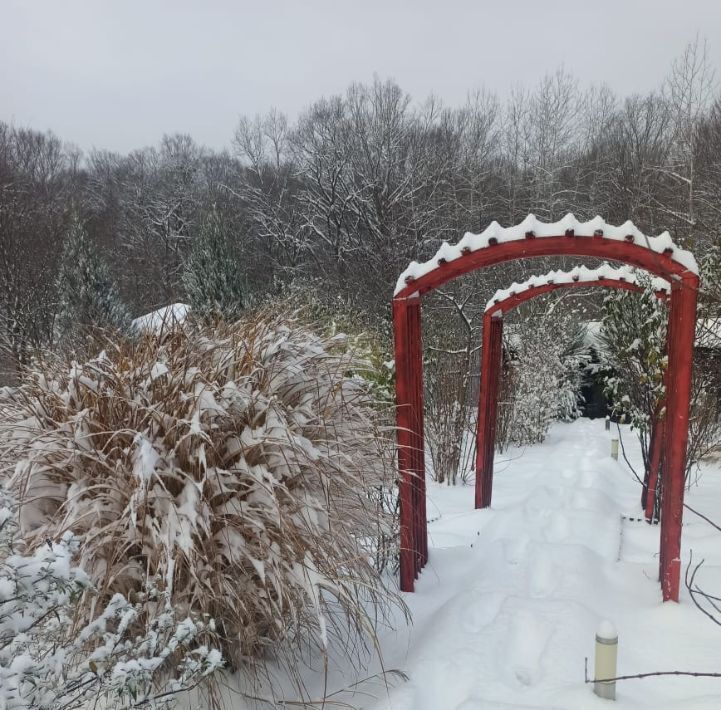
[[88, 297], [633, 340], [212, 278]]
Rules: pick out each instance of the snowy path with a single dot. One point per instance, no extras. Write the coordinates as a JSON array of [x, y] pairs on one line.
[[507, 607]]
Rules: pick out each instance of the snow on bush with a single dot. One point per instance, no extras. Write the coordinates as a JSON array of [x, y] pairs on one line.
[[213, 282], [88, 298], [234, 464], [543, 373], [50, 660], [634, 362], [633, 343]]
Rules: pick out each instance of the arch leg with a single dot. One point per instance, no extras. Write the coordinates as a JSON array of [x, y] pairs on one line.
[[409, 424], [491, 361], [682, 326]]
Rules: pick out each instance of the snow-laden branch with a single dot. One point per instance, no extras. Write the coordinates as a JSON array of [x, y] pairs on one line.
[[137, 657]]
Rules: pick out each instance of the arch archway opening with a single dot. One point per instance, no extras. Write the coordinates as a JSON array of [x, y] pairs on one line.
[[507, 300]]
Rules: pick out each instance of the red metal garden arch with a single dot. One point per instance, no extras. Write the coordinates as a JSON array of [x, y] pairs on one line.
[[492, 333], [530, 239]]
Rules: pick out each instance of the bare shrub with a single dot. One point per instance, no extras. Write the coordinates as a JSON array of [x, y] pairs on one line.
[[451, 386], [235, 464], [544, 358], [704, 437], [450, 423]]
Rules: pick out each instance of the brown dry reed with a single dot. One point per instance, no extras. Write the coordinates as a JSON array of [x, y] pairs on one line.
[[239, 464]]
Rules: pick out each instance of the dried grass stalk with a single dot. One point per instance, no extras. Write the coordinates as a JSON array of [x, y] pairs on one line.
[[238, 464]]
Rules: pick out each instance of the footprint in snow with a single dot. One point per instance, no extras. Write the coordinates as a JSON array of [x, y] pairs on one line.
[[515, 551], [543, 576], [570, 475], [558, 529], [588, 478], [523, 650], [483, 611]]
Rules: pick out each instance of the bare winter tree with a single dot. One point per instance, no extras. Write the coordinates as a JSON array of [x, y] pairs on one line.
[[451, 371], [269, 193], [688, 92], [154, 196], [36, 189], [362, 183]]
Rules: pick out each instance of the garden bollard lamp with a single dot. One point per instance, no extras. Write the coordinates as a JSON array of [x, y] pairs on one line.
[[606, 661]]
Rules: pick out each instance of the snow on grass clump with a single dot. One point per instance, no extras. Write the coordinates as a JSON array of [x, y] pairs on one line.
[[50, 658], [237, 464]]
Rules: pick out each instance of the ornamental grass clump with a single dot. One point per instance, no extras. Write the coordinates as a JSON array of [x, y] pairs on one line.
[[240, 465]]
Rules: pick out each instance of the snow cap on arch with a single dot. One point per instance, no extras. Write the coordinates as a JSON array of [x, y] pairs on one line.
[[495, 234], [579, 274]]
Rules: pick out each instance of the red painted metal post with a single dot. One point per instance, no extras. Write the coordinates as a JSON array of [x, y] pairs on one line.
[[662, 471], [413, 396], [496, 327], [484, 407], [404, 439], [682, 322], [415, 353], [488, 406]]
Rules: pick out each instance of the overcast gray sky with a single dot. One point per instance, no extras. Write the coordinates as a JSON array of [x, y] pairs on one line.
[[118, 74]]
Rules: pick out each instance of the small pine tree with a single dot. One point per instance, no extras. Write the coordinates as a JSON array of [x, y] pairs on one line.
[[88, 297], [633, 340], [710, 296], [212, 278]]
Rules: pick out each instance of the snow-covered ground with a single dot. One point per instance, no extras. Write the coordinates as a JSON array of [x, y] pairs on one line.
[[507, 607]]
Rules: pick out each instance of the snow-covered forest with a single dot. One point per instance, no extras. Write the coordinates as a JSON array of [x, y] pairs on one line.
[[197, 450], [353, 189]]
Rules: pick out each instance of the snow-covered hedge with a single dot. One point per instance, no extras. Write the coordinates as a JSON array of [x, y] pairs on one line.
[[237, 465]]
